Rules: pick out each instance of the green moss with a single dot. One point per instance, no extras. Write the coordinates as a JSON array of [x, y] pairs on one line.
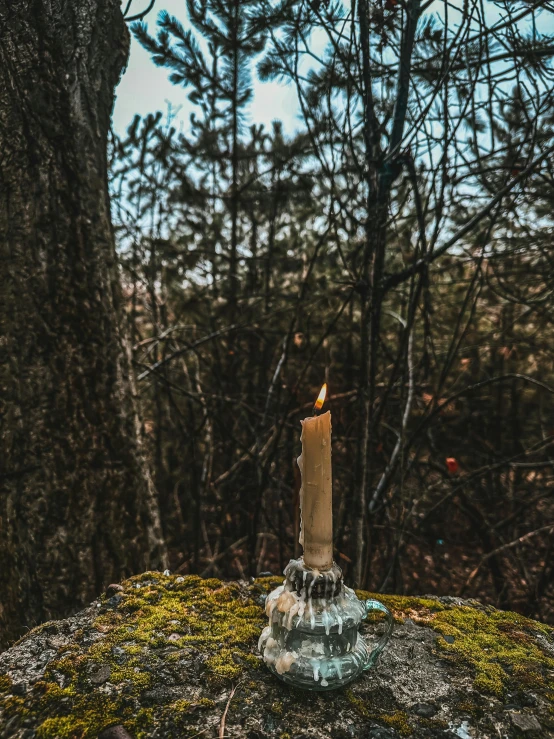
[[48, 694], [159, 621], [433, 723], [75, 715], [406, 606], [40, 629], [62, 727], [139, 678], [211, 618], [469, 706], [143, 723], [206, 612], [178, 717], [222, 664], [205, 703], [68, 666], [180, 707], [14, 705], [500, 647], [358, 703], [397, 719]]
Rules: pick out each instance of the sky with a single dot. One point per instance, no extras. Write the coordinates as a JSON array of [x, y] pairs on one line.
[[145, 88]]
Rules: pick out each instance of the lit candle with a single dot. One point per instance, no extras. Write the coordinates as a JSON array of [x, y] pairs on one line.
[[316, 495]]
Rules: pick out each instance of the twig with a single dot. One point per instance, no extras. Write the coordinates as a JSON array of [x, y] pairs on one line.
[[489, 555], [222, 724], [205, 339], [402, 435], [216, 557], [395, 279], [139, 16]]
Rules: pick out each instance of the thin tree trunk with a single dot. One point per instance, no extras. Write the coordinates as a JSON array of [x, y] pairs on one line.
[[77, 505], [233, 257], [380, 173], [372, 155]]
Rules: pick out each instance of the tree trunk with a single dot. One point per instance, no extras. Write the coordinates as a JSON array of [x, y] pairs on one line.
[[77, 506]]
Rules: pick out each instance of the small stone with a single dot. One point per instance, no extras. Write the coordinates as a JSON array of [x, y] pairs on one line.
[[19, 689], [57, 641], [46, 657], [113, 589], [463, 730], [341, 733], [180, 579], [525, 722], [10, 724], [101, 675], [114, 601], [60, 678], [425, 710], [158, 695], [167, 573], [448, 639], [118, 653], [380, 732], [174, 637], [115, 732], [528, 699]]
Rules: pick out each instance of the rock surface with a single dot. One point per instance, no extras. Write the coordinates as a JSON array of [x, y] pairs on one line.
[[168, 656]]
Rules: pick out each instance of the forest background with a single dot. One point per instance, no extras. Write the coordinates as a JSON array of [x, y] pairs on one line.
[[244, 254], [392, 238]]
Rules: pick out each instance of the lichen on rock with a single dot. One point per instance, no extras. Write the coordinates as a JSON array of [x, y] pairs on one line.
[[160, 657], [501, 648]]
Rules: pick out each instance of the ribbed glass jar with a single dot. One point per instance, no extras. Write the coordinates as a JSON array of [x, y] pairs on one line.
[[313, 640]]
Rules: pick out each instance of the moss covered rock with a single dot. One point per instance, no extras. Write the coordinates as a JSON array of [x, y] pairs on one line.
[[167, 656]]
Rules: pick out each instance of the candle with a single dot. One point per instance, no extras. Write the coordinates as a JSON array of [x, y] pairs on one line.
[[316, 495]]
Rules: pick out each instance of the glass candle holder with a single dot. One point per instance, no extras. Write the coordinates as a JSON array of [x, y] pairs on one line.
[[313, 639]]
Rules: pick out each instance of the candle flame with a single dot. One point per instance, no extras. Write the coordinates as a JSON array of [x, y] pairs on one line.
[[321, 397]]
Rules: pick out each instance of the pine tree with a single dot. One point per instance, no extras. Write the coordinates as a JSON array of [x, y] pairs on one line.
[[221, 89]]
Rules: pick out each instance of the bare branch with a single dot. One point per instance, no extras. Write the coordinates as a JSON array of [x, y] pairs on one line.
[[139, 16]]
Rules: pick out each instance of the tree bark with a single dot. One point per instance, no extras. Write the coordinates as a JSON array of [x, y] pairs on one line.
[[77, 505], [381, 170]]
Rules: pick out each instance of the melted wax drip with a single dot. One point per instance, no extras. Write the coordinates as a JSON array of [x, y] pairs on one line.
[[299, 613]]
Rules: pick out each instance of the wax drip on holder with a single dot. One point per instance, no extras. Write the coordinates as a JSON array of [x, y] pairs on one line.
[[313, 639]]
